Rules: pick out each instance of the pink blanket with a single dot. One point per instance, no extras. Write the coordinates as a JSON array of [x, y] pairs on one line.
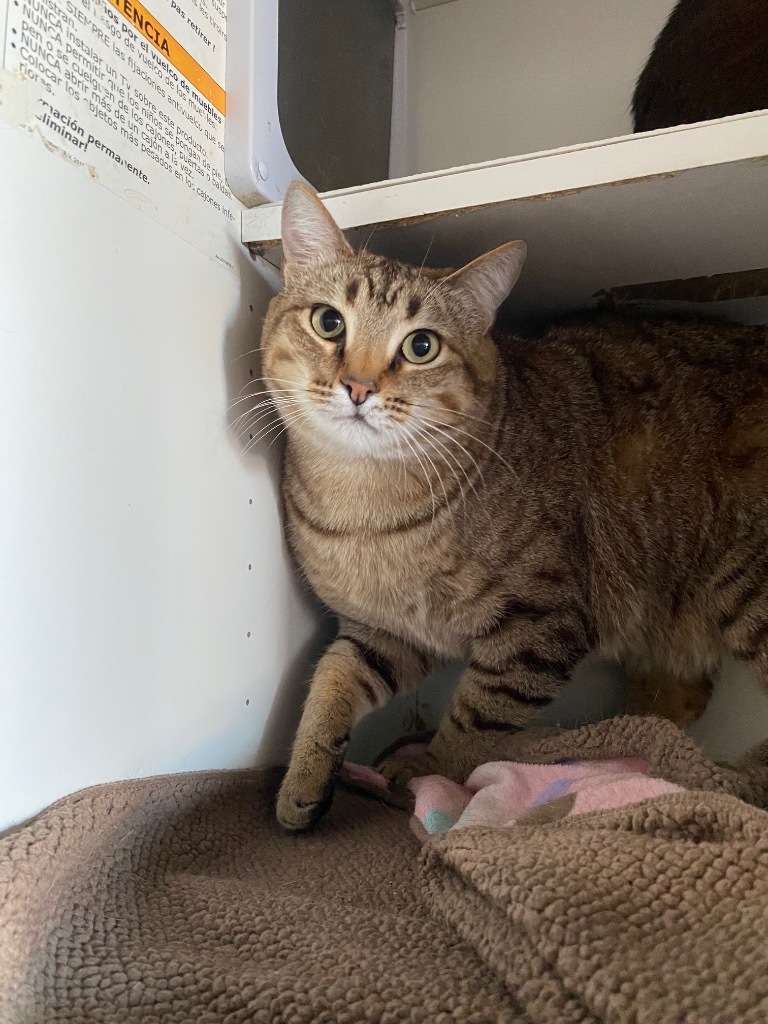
[[503, 793]]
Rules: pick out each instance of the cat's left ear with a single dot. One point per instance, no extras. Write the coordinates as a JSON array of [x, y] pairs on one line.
[[310, 234], [488, 280]]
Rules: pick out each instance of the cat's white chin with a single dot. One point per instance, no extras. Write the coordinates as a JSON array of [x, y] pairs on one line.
[[355, 435]]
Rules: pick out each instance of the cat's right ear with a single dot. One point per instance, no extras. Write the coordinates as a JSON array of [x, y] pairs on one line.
[[488, 280], [310, 234]]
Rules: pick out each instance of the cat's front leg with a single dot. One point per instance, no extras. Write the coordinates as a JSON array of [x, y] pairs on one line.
[[513, 674], [361, 670]]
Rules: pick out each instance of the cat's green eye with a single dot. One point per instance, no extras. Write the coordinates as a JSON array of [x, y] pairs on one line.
[[421, 347], [327, 322]]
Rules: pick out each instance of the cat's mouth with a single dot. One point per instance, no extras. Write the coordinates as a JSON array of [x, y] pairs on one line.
[[356, 419]]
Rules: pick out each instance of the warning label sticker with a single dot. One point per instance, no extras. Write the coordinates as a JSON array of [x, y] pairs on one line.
[[135, 95]]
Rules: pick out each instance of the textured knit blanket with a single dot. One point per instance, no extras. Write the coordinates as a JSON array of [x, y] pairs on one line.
[[178, 899]]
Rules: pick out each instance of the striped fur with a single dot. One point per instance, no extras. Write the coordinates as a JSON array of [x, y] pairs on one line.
[[518, 503]]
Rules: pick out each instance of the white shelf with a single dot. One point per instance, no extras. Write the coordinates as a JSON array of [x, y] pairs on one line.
[[685, 202]]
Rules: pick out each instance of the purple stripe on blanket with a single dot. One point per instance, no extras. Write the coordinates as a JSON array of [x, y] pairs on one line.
[[551, 792]]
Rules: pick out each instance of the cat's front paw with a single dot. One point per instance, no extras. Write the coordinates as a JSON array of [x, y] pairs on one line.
[[398, 771], [307, 791]]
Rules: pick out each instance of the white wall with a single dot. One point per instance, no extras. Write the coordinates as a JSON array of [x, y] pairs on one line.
[[126, 523], [494, 78]]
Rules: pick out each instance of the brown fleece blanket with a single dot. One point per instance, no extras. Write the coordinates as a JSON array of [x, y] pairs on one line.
[[178, 899]]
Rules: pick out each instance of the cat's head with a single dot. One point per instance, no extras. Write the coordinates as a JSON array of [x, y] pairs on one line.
[[369, 355]]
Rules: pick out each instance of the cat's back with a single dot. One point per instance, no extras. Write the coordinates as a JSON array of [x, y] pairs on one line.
[[668, 365], [671, 397], [674, 404], [671, 456], [600, 367]]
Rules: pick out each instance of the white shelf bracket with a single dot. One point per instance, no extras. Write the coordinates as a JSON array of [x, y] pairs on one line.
[[256, 160]]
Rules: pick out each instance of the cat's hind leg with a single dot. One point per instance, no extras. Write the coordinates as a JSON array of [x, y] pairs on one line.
[[361, 670], [740, 597], [747, 636], [656, 691]]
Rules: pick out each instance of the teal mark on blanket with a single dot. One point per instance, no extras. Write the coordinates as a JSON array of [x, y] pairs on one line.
[[438, 821]]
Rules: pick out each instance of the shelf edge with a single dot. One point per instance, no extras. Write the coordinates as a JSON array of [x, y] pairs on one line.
[[531, 176]]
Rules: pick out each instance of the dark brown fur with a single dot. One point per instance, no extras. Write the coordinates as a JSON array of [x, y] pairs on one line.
[[710, 60]]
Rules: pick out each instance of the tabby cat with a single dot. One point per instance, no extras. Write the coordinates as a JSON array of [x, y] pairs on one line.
[[710, 60], [519, 503]]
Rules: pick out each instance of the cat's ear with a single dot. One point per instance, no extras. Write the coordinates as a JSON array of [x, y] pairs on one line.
[[488, 280], [310, 234]]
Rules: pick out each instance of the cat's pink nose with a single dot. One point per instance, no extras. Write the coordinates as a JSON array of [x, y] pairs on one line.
[[358, 390]]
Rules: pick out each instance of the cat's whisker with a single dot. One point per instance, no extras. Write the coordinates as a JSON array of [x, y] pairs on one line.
[[433, 289], [249, 412], [250, 352], [265, 414], [251, 426], [364, 247], [267, 394], [251, 445], [261, 405], [266, 431], [434, 467], [429, 484], [280, 380], [276, 414], [477, 440], [266, 380], [268, 405], [427, 427], [469, 455], [431, 241], [253, 381], [453, 412], [263, 432], [432, 442], [283, 401], [456, 461], [295, 419], [401, 455], [285, 398]]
